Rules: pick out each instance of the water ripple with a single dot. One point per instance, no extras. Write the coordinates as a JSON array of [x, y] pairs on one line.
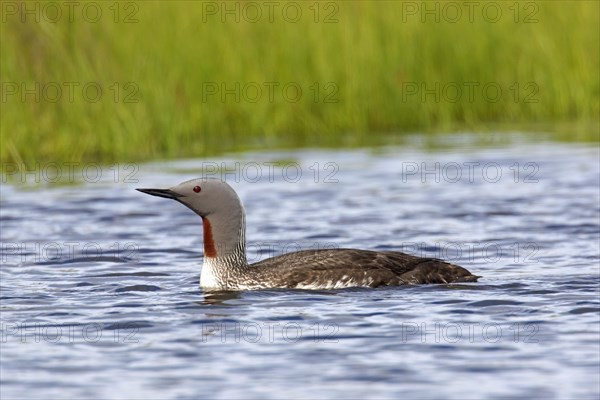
[[129, 319]]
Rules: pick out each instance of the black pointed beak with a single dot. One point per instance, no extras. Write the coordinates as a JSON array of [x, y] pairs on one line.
[[166, 193]]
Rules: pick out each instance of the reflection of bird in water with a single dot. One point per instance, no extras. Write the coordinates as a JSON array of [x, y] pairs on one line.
[[220, 297]]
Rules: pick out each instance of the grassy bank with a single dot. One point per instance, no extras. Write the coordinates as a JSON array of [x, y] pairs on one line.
[[146, 80]]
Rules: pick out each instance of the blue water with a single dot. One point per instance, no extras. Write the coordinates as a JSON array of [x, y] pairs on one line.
[[100, 295]]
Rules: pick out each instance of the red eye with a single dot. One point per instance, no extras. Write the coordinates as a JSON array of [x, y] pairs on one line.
[[197, 189]]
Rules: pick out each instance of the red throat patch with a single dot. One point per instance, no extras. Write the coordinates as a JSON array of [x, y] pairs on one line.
[[209, 243]]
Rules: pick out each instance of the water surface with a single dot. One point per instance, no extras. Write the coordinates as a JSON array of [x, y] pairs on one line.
[[100, 296]]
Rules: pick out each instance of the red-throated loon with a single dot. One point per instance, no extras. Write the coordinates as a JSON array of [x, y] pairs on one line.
[[225, 266]]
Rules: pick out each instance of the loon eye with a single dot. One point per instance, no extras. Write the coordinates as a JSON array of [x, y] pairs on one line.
[[197, 189]]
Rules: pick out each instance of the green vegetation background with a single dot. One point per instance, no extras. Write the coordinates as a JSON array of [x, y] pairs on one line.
[[362, 56]]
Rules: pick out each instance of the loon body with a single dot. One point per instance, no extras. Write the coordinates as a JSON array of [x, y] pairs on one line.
[[225, 266]]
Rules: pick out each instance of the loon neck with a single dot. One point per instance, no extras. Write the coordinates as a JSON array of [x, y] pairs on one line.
[[224, 249]]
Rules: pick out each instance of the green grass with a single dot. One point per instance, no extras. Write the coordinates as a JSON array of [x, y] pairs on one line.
[[547, 71]]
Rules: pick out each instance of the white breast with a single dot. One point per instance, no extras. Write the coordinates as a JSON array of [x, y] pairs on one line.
[[208, 277]]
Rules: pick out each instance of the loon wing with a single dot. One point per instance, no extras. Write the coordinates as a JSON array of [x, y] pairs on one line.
[[336, 268]]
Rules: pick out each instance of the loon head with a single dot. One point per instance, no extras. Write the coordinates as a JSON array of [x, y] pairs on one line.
[[223, 221], [204, 196]]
